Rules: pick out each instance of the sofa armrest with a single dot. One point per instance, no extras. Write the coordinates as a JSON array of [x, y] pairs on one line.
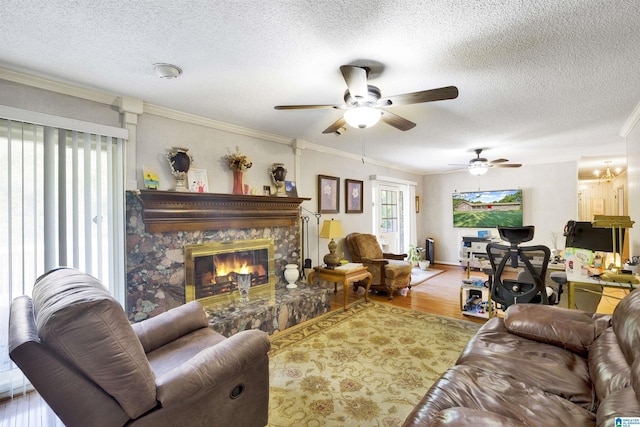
[[213, 367], [157, 331], [574, 330]]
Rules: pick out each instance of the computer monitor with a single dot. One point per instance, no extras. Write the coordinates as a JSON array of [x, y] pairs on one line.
[[585, 236]]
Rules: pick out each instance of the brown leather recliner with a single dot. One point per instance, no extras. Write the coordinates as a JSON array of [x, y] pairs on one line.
[[74, 343], [390, 271]]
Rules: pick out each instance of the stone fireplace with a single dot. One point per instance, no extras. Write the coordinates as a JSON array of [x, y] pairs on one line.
[[165, 228], [213, 270]]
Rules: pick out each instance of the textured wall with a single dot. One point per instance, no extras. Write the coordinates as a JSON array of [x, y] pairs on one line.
[[155, 262]]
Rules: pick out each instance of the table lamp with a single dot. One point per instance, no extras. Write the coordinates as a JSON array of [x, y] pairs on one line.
[[330, 229]]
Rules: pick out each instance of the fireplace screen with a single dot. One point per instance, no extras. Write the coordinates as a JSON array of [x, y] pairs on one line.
[[214, 270]]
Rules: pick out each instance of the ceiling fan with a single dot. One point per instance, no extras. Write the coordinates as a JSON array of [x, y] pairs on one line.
[[480, 165], [364, 105]]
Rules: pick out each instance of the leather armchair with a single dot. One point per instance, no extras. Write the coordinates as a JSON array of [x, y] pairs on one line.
[[75, 344], [390, 271]]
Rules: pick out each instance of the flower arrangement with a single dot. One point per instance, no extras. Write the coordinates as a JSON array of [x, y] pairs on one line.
[[238, 161]]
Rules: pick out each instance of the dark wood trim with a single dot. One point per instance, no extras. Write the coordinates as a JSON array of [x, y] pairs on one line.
[[175, 211]]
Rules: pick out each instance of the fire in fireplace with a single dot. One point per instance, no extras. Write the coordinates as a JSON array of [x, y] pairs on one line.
[[214, 270]]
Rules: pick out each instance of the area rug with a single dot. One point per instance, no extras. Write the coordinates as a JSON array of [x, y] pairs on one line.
[[418, 275], [366, 366]]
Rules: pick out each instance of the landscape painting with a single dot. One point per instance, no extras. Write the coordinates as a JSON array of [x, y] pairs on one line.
[[487, 209]]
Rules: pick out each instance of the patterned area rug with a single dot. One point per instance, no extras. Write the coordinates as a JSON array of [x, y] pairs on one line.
[[367, 366]]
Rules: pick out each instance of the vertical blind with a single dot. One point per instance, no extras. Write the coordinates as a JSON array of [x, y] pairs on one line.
[[61, 204]]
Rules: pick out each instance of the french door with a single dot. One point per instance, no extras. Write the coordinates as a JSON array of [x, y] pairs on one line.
[[394, 219], [392, 224]]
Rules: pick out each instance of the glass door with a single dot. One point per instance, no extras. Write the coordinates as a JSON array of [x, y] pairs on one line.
[[392, 221]]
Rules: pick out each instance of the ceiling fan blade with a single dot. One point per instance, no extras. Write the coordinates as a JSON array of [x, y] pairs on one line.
[[356, 79], [499, 161], [507, 165], [448, 92], [396, 121], [340, 123], [306, 107]]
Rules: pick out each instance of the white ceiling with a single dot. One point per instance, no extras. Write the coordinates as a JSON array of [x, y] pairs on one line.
[[539, 81]]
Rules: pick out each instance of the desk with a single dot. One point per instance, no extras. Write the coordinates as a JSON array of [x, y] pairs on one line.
[[573, 279], [345, 277]]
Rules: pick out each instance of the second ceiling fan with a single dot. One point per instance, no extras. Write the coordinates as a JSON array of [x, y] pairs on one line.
[[480, 165], [364, 105]]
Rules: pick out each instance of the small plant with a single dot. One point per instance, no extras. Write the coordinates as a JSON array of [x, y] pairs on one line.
[[414, 254]]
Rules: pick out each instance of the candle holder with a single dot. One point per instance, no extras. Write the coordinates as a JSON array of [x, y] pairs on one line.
[[244, 284]]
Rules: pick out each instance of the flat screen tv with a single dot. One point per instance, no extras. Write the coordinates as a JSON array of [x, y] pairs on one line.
[[487, 209]]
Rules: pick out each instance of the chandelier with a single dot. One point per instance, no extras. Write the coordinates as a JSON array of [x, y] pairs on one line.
[[607, 175]]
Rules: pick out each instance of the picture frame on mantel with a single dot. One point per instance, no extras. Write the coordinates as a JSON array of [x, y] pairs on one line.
[[353, 201], [198, 182], [328, 194]]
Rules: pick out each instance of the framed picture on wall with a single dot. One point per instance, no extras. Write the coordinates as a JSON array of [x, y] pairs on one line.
[[328, 194], [353, 196], [597, 206]]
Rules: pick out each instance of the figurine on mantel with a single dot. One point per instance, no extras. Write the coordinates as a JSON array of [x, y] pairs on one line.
[[180, 161]]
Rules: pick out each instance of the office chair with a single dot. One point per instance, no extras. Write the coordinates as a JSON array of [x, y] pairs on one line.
[[519, 272]]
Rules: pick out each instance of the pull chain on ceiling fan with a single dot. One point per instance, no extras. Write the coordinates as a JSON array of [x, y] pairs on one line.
[[364, 105]]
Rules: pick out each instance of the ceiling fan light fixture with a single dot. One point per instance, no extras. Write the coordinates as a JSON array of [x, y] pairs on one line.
[[167, 71], [362, 117], [478, 169]]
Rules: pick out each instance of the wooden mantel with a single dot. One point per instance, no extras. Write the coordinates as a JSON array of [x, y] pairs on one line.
[[176, 211]]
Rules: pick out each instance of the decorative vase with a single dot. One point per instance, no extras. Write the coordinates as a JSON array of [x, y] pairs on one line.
[[424, 264], [278, 175], [180, 160], [291, 274], [237, 181]]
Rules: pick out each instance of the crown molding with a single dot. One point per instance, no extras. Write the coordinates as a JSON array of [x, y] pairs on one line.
[[631, 122], [58, 87], [110, 99], [333, 152], [168, 113]]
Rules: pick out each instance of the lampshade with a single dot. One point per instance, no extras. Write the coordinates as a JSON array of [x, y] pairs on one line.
[[331, 229], [478, 169], [362, 117]]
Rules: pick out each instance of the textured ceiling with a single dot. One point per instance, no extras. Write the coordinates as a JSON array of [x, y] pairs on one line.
[[539, 81]]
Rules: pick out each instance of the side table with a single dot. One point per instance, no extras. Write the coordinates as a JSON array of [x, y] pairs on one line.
[[346, 277]]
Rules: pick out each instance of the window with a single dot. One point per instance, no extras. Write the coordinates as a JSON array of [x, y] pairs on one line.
[[62, 204], [388, 211]]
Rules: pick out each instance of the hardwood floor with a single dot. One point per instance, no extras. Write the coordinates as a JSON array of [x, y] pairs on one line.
[[439, 295]]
